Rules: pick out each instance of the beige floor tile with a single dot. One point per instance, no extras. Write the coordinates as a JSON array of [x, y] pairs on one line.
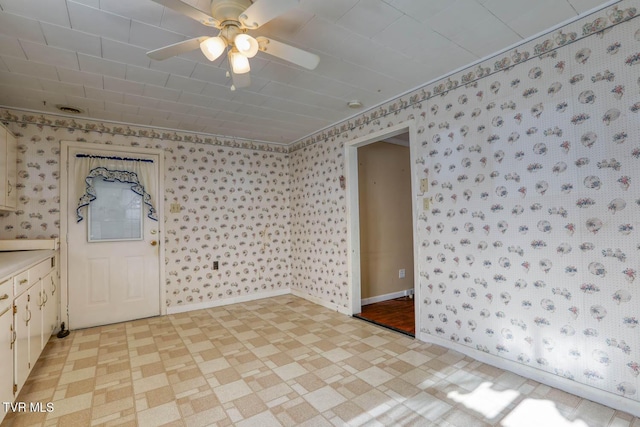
[[281, 361]]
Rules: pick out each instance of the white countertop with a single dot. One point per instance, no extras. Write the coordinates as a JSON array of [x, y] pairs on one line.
[[17, 261]]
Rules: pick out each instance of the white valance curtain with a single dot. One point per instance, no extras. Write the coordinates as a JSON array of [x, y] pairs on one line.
[[137, 172]]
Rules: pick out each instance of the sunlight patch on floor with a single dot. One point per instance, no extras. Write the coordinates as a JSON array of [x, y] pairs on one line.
[[486, 401], [535, 413]]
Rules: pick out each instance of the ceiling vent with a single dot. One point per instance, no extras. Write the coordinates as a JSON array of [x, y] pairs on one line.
[[69, 109]]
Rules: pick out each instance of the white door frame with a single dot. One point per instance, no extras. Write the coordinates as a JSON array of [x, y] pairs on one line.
[[64, 216], [353, 210]]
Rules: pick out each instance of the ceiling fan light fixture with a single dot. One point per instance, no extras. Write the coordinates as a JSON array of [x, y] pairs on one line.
[[213, 47], [239, 63], [246, 45]]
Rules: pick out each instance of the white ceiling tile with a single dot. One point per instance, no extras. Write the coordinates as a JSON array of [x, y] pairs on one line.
[[146, 76], [86, 103], [165, 123], [279, 72], [99, 22], [419, 10], [539, 19], [50, 55], [461, 14], [66, 38], [179, 66], [125, 53], [30, 68], [29, 98], [11, 47], [164, 93], [369, 17], [20, 27], [121, 108], [62, 88], [181, 24], [210, 74], [183, 118], [487, 38], [174, 107], [80, 77], [330, 10], [183, 83], [582, 6], [223, 91], [109, 116], [411, 37], [19, 80], [508, 10], [152, 112], [92, 64], [195, 99], [52, 11], [141, 101], [286, 26], [150, 37], [146, 11], [105, 95], [124, 86]]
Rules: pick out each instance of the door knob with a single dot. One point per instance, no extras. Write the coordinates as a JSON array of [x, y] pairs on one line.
[[153, 243]]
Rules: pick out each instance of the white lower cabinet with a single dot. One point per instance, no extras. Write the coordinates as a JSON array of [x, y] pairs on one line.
[[22, 319], [30, 314], [6, 355]]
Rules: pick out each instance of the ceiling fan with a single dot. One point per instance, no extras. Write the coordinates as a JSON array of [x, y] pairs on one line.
[[234, 19]]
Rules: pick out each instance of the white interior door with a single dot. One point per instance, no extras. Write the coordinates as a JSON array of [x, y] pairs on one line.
[[113, 254]]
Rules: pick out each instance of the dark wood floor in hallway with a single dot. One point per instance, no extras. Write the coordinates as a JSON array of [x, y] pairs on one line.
[[397, 314]]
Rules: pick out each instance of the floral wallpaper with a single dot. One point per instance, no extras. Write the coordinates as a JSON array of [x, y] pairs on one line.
[[234, 198], [529, 252], [531, 248]]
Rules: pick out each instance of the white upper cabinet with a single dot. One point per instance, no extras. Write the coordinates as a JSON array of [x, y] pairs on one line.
[[8, 170]]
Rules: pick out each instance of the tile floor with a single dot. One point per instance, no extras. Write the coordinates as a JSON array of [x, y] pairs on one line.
[[282, 361]]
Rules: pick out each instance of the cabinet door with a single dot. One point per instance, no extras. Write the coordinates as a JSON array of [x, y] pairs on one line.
[[22, 319], [6, 357], [3, 167], [35, 324], [51, 303], [11, 200]]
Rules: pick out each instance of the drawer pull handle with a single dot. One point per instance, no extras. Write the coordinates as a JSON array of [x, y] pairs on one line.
[[4, 297], [53, 286], [23, 281]]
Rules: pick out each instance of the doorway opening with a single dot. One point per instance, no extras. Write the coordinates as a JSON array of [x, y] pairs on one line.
[[381, 215]]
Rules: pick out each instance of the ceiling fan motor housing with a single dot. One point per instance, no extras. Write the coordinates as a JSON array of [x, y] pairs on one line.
[[228, 10]]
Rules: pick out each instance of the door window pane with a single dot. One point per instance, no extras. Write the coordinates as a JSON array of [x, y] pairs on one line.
[[116, 213]]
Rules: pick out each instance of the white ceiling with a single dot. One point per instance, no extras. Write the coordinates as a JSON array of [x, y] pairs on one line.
[[92, 54]]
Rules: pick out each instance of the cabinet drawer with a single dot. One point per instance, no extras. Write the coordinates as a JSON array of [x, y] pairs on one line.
[[20, 282], [38, 271], [6, 295]]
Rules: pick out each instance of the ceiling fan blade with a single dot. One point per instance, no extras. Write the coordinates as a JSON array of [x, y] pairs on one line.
[[288, 53], [190, 11], [263, 11], [176, 49], [240, 80]]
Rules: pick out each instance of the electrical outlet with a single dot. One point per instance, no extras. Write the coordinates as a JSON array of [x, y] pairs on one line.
[[424, 185], [215, 265], [425, 203], [175, 208], [402, 273]]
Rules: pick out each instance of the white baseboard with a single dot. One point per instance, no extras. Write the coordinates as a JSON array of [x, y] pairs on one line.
[[386, 297], [582, 390], [319, 301], [226, 301]]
